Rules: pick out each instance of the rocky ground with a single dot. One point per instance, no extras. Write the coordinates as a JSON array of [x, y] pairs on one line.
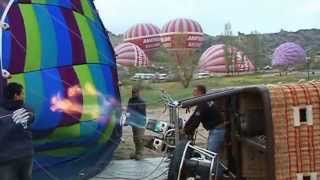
[[127, 146]]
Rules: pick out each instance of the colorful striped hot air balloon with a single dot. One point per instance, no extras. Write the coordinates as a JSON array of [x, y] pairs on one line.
[[213, 60], [130, 55], [61, 53]]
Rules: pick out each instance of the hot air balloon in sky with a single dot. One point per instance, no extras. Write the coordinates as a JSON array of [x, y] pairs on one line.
[[60, 52], [144, 35], [130, 55], [288, 54], [182, 37], [213, 60]]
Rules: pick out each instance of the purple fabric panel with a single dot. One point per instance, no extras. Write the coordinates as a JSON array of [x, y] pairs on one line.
[[78, 53], [76, 4], [18, 44], [25, 1], [70, 79]]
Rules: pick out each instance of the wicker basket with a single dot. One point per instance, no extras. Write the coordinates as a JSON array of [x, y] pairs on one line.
[[296, 126]]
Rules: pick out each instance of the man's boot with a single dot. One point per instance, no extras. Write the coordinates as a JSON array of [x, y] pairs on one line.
[[139, 150], [138, 134]]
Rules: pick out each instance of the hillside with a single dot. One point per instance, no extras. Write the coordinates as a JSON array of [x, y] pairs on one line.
[[309, 39], [115, 39]]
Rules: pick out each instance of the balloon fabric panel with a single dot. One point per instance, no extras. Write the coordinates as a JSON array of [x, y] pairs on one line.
[[49, 44], [74, 39], [78, 56], [87, 38], [84, 7], [91, 106], [63, 38], [18, 45], [33, 46], [70, 79]]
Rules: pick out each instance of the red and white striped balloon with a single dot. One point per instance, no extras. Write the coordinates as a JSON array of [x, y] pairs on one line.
[[213, 60], [182, 33], [129, 54], [146, 36]]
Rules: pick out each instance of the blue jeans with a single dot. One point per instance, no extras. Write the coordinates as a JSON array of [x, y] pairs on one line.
[[215, 144], [216, 139]]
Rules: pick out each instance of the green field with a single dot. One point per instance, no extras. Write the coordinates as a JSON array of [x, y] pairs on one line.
[[151, 92]]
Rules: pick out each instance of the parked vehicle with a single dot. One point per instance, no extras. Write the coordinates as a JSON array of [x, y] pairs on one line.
[[203, 75], [143, 76], [161, 77]]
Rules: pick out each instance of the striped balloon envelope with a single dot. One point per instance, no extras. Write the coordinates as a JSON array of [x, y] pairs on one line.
[[60, 52], [144, 35], [130, 55], [182, 33], [213, 60]]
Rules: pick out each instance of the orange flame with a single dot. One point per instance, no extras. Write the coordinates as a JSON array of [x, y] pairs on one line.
[[69, 104], [74, 91], [65, 105]]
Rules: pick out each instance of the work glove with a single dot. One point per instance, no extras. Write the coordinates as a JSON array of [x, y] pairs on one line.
[[6, 74], [21, 116]]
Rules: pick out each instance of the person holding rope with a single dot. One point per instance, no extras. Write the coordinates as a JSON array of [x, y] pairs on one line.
[[16, 149]]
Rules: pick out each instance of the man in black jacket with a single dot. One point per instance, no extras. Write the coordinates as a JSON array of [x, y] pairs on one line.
[[16, 148], [137, 119], [211, 119]]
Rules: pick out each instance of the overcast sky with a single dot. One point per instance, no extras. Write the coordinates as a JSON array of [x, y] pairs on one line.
[[265, 16]]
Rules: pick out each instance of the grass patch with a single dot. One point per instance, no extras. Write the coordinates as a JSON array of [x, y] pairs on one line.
[[151, 93]]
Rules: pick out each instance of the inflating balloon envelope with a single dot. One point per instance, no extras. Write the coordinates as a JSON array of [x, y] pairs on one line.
[[60, 52]]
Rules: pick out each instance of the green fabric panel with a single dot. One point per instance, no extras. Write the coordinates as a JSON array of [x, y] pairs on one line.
[[39, 1], [33, 47], [89, 43], [68, 151], [88, 128], [105, 136], [91, 109], [87, 9], [67, 132]]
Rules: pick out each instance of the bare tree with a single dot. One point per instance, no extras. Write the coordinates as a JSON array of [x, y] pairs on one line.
[[254, 48], [186, 62], [313, 58], [230, 52]]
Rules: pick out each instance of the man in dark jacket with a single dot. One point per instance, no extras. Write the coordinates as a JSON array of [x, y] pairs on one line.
[[137, 119], [16, 148], [211, 119]]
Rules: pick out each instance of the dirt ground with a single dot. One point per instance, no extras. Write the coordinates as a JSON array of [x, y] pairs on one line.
[[127, 146]]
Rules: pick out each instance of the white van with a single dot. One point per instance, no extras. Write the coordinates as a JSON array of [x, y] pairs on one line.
[[161, 76], [143, 76], [203, 75]]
